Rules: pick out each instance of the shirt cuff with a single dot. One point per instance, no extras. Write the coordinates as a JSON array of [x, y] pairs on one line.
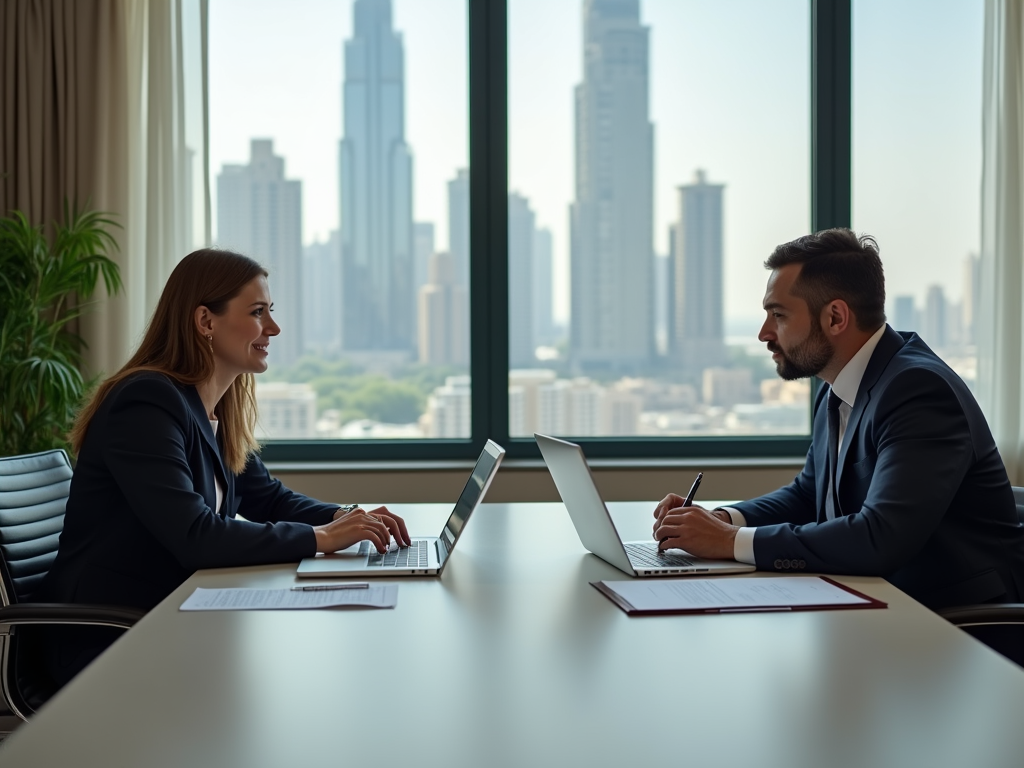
[[743, 546], [736, 515]]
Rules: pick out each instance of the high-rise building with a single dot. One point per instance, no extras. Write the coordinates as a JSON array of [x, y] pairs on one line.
[[972, 296], [904, 314], [933, 326], [287, 411], [612, 257], [259, 213], [321, 273], [458, 224], [697, 314], [542, 291], [662, 291], [443, 315], [375, 167], [521, 232], [423, 248], [448, 409]]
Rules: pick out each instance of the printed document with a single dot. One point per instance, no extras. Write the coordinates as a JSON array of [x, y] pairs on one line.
[[374, 596], [734, 594]]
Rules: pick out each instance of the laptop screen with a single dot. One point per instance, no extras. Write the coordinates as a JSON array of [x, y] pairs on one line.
[[472, 494]]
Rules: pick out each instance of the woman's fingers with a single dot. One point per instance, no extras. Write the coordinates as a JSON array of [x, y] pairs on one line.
[[395, 524], [375, 532]]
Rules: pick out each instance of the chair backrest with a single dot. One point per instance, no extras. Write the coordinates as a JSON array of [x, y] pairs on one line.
[[33, 494], [1018, 497]]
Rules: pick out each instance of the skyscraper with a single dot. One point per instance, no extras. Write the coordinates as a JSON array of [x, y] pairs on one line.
[[375, 167], [612, 257], [904, 314], [542, 290], [321, 273], [934, 323], [443, 315], [521, 232], [972, 296], [422, 248], [259, 213], [697, 315], [458, 224]]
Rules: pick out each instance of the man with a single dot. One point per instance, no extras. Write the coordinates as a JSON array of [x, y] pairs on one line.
[[918, 494]]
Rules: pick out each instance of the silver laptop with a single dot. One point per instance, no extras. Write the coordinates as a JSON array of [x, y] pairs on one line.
[[569, 470], [425, 557]]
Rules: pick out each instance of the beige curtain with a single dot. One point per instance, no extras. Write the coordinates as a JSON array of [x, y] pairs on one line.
[[104, 103], [1000, 359]]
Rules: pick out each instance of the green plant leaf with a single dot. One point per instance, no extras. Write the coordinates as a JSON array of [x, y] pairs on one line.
[[44, 285]]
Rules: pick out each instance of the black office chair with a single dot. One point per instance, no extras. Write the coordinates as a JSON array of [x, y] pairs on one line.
[[979, 620], [33, 495]]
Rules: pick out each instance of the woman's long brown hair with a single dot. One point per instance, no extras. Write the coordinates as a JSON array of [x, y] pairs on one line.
[[174, 346]]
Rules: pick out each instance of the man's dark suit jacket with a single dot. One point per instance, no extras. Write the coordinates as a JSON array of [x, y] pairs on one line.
[[925, 498], [140, 516]]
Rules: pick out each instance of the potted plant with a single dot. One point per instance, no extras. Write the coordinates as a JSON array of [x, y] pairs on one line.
[[45, 283]]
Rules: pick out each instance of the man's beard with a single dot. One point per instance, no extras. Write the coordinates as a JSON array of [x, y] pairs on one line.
[[808, 358]]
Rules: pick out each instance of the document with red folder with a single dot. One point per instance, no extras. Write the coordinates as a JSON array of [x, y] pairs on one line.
[[649, 597]]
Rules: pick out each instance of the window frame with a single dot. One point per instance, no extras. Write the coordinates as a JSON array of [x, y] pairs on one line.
[[831, 175]]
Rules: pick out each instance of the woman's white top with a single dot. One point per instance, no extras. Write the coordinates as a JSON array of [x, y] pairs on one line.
[[220, 486]]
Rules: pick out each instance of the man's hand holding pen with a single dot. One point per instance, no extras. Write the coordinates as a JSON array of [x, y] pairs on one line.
[[681, 525]]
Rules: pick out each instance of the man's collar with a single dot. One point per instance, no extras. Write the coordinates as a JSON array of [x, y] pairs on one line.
[[847, 383]]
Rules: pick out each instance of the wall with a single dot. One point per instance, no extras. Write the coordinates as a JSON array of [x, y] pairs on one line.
[[526, 480]]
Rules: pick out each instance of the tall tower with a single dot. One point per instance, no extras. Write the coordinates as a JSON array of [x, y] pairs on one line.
[[375, 168], [542, 291], [934, 321], [444, 315], [259, 213], [521, 233], [697, 316], [458, 224], [612, 255]]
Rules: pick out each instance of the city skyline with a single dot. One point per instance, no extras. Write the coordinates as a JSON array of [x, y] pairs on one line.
[[404, 252], [685, 38]]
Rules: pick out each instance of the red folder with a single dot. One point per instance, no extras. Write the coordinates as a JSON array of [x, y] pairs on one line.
[[619, 600]]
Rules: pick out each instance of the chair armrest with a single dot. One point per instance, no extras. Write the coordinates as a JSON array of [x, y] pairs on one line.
[[69, 613], [984, 614]]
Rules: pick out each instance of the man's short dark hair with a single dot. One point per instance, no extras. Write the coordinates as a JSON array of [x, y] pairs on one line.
[[837, 264]]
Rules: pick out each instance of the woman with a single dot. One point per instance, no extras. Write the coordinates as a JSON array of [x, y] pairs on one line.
[[167, 459]]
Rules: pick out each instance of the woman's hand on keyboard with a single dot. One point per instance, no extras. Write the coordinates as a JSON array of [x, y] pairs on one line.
[[348, 528]]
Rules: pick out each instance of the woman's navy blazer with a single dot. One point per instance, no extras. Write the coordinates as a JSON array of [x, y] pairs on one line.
[[140, 513]]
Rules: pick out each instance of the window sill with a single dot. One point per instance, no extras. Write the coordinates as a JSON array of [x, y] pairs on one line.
[[514, 465]]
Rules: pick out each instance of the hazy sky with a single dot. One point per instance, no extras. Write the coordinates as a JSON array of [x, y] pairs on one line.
[[729, 94]]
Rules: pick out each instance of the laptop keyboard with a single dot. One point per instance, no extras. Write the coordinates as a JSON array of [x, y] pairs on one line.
[[648, 555], [413, 556]]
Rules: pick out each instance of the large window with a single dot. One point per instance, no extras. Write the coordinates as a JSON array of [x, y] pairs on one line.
[[658, 151], [917, 79], [488, 217], [339, 160]]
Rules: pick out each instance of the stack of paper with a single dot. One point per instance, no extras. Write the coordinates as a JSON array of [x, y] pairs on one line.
[[377, 596]]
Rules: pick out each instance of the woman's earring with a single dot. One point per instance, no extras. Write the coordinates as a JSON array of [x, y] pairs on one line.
[[209, 338]]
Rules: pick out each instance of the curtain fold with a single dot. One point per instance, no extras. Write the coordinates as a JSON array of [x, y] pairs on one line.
[[103, 103], [1001, 322]]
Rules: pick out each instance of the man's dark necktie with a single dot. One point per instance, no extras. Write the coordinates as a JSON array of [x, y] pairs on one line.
[[832, 498]]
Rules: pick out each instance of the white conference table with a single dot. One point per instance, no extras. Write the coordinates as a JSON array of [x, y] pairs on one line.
[[513, 659]]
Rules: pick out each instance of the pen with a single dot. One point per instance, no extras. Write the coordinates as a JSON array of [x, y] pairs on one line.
[[693, 490], [321, 587]]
